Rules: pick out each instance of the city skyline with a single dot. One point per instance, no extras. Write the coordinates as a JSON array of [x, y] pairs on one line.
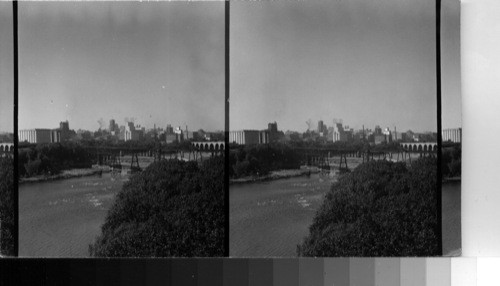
[[157, 62], [355, 60], [314, 125], [104, 125]]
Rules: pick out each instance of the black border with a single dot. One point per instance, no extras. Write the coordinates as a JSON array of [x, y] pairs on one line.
[[439, 178], [226, 133], [16, 171]]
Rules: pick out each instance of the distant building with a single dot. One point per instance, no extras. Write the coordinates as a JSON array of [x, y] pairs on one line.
[[174, 135], [452, 134], [341, 134], [133, 132], [112, 125], [249, 137], [169, 130], [65, 132], [272, 129], [384, 136], [40, 135], [320, 126]]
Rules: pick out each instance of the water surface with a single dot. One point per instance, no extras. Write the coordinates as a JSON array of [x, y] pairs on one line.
[[61, 218]]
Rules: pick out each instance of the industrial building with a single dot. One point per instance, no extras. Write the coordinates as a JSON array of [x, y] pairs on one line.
[[38, 135], [453, 135], [249, 137], [341, 134]]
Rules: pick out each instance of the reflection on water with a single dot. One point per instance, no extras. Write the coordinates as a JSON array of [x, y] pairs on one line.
[[61, 218]]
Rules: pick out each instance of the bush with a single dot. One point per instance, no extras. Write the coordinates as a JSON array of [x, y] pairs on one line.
[[380, 209], [173, 208], [49, 159], [261, 159], [7, 205], [451, 162]]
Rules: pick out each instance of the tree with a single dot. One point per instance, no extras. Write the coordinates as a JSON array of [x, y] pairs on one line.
[[380, 209], [7, 205], [173, 208]]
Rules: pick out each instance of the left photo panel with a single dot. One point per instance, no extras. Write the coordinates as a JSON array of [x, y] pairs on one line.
[[121, 129], [7, 191]]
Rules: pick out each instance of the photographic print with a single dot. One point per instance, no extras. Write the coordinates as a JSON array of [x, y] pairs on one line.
[[334, 129], [121, 129], [7, 193]]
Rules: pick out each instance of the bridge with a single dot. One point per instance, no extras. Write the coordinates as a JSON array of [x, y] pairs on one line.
[[209, 145], [110, 155], [420, 146], [113, 155], [405, 152], [6, 149]]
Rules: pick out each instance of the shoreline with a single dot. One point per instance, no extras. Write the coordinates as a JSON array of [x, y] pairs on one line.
[[65, 174], [275, 175], [451, 180]]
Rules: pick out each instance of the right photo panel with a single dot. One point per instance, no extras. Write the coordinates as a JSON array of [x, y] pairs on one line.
[[334, 129]]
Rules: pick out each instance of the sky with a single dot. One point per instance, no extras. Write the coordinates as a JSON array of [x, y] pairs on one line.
[[151, 63], [365, 62], [451, 99], [6, 68]]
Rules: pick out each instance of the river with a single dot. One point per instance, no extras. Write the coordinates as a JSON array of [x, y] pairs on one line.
[[61, 218], [451, 218], [269, 219]]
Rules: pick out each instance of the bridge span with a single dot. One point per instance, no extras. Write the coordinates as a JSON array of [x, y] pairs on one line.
[[6, 149], [209, 145]]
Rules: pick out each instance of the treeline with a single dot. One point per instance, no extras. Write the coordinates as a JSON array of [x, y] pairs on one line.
[[173, 208], [380, 209], [261, 159], [7, 205], [451, 162], [50, 159]]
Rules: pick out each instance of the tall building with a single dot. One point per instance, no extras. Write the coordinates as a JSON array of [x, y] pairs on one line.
[[249, 137], [452, 134], [132, 132], [112, 125], [170, 129], [64, 128], [39, 135], [272, 129], [340, 134], [174, 135], [320, 126]]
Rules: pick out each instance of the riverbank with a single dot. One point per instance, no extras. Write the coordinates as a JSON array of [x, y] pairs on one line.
[[66, 174], [276, 175], [451, 179]]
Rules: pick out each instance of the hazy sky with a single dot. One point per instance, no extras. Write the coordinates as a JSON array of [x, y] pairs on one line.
[[6, 68], [366, 62], [155, 62], [451, 99]]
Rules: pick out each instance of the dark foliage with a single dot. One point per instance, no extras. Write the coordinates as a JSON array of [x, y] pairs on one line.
[[261, 159], [379, 209], [7, 205], [451, 162], [49, 159], [173, 208]]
